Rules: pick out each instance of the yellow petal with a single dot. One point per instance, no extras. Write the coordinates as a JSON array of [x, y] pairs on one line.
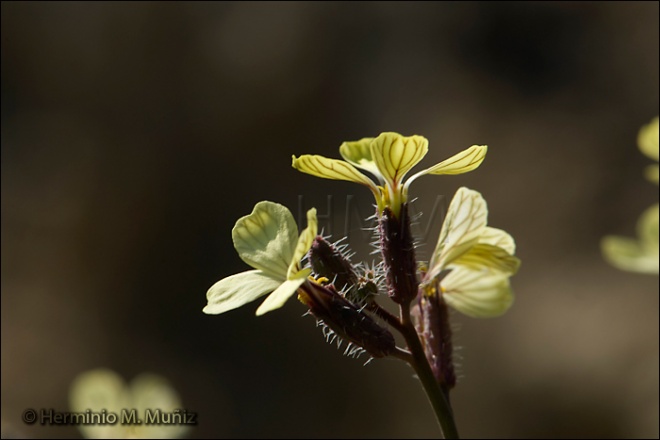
[[465, 223], [648, 139], [479, 294], [498, 237], [334, 169], [153, 392], [277, 299], [628, 254], [304, 243], [237, 290], [98, 390], [486, 256], [266, 238], [466, 160], [395, 155], [358, 153], [639, 255]]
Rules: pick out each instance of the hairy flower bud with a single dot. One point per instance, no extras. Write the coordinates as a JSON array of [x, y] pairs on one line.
[[398, 250], [328, 261], [346, 320], [431, 318]]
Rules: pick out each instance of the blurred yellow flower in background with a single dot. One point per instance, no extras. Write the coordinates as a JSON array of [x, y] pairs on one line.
[[648, 144], [104, 391], [641, 254]]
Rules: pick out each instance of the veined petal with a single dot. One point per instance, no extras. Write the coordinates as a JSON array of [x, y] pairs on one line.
[[334, 169], [465, 223], [237, 290], [466, 160], [266, 238], [277, 299], [498, 237], [304, 243], [648, 139], [395, 155], [486, 256], [479, 294], [358, 153]]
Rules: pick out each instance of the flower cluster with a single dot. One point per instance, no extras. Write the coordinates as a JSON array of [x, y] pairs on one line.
[[469, 269], [471, 263]]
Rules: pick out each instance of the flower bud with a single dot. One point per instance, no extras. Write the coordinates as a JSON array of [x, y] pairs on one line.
[[346, 320], [329, 262], [396, 244], [431, 318]]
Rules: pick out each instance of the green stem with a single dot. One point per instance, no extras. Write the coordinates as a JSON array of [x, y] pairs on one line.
[[420, 364]]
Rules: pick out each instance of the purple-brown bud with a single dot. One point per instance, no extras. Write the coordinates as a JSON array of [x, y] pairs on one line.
[[329, 262], [396, 244], [431, 317], [346, 320]]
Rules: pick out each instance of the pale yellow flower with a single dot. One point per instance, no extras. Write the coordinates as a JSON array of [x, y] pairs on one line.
[[267, 240], [148, 397], [389, 157], [472, 262], [636, 255], [639, 255]]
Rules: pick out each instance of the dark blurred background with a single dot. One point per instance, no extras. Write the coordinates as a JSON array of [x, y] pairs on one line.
[[134, 135]]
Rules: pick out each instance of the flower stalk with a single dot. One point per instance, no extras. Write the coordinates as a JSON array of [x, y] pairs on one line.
[[437, 395]]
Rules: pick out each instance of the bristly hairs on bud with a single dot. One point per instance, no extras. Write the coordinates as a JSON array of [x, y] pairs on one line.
[[331, 337], [347, 320], [332, 261], [398, 252], [418, 244], [371, 280]]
